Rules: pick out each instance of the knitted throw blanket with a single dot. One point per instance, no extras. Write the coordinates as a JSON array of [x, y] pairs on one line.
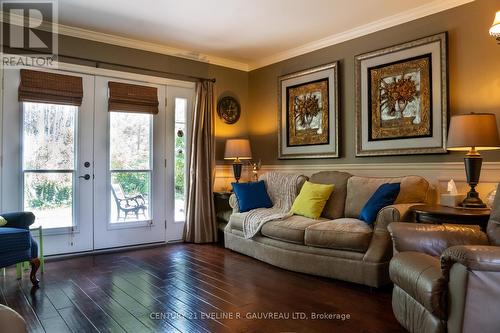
[[282, 189]]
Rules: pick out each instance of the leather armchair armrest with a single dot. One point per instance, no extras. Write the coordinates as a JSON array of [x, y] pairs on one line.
[[21, 220], [433, 239], [478, 258], [233, 202]]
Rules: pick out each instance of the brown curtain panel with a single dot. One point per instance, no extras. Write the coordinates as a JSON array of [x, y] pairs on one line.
[[44, 87], [124, 97], [200, 224]]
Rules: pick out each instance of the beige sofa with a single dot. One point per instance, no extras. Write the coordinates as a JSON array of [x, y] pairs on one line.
[[338, 245]]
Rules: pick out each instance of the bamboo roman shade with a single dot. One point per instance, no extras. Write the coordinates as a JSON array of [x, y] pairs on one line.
[[44, 87], [124, 97]]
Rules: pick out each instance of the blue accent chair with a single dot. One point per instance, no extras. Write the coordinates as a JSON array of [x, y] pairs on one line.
[[16, 243]]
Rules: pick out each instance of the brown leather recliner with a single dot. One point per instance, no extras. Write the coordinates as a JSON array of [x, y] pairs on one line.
[[447, 277]]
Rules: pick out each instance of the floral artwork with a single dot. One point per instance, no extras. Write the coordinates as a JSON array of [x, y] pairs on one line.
[[308, 113], [400, 99], [307, 106]]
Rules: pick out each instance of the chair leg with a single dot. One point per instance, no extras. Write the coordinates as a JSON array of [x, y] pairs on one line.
[[35, 264]]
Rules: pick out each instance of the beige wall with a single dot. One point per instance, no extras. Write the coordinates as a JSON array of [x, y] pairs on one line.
[[474, 80], [229, 81]]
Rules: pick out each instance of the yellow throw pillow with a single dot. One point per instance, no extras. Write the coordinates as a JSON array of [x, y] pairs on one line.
[[312, 199], [3, 221]]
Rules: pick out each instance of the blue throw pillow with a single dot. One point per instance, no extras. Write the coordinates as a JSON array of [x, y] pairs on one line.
[[252, 195], [384, 196]]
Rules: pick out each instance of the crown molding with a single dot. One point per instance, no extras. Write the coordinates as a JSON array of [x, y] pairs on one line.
[[101, 37], [413, 14], [428, 9]]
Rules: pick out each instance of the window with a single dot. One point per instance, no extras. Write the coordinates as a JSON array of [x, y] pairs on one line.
[[130, 143], [48, 162], [180, 159]]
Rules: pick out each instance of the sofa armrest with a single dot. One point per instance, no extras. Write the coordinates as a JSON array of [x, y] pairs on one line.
[[474, 257], [433, 239], [21, 220], [380, 246], [233, 202], [392, 213]]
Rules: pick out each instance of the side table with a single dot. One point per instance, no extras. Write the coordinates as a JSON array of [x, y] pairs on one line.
[[438, 214], [223, 211]]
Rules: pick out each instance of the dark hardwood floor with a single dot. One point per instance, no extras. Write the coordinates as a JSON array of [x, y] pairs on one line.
[[190, 288]]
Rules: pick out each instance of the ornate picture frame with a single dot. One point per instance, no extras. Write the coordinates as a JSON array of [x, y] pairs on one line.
[[308, 113], [402, 99]]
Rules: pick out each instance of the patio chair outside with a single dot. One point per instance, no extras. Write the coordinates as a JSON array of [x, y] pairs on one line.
[[134, 204]]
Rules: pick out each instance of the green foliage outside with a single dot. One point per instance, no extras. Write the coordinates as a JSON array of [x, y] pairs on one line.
[[132, 182], [46, 193], [180, 167]]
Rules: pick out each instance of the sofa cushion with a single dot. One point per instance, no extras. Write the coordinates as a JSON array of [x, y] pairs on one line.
[[384, 196], [341, 234], [14, 239], [288, 230], [252, 195], [334, 207], [359, 189], [312, 199]]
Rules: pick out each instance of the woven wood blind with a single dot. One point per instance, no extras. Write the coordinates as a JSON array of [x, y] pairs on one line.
[[124, 97], [43, 87]]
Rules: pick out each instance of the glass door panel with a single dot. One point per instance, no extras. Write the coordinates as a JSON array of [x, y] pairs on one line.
[[130, 147], [180, 159], [49, 139]]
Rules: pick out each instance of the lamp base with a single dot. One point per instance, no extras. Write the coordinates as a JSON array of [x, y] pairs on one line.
[[237, 166], [473, 163], [472, 200]]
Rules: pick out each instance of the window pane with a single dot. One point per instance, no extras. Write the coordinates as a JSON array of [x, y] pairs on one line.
[[180, 158], [130, 136], [130, 196], [48, 136], [50, 197]]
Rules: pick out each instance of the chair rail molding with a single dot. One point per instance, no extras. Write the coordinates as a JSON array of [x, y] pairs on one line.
[[435, 173]]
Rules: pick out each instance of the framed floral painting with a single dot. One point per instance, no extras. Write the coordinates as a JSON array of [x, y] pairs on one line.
[[308, 113], [401, 99]]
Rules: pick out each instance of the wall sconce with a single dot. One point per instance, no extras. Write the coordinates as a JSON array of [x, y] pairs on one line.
[[495, 28]]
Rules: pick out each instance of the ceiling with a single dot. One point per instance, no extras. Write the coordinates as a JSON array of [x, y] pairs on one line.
[[250, 33]]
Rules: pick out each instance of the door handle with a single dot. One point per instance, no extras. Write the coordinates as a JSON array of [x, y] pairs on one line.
[[86, 176]]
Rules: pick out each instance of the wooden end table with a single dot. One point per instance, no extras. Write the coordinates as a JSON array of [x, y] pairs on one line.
[[438, 214]]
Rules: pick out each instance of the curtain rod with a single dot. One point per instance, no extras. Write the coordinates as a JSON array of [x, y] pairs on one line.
[[169, 75]]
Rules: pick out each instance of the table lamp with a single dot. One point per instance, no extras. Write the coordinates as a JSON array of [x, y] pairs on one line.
[[495, 27], [473, 132], [237, 150]]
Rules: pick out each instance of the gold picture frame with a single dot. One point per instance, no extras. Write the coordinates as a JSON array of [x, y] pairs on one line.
[[308, 113], [402, 99]]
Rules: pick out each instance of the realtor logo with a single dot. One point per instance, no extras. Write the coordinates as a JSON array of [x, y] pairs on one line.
[[29, 33]]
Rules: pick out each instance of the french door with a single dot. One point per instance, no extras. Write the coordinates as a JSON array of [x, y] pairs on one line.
[[45, 150], [129, 162], [97, 179]]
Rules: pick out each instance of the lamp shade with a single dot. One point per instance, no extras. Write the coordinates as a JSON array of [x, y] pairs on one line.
[[478, 130], [237, 149], [495, 28]]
